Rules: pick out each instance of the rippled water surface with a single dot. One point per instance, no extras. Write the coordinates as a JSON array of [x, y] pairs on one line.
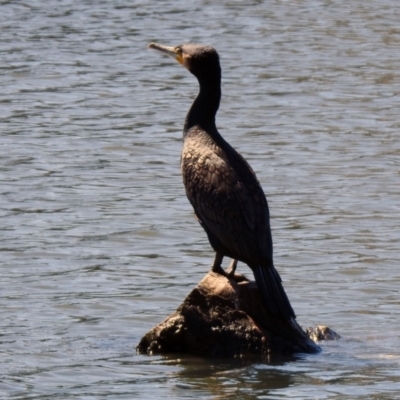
[[98, 241]]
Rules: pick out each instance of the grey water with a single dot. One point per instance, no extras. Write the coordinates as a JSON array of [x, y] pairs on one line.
[[98, 242]]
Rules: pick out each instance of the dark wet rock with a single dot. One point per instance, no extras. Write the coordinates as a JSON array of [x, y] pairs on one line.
[[224, 317], [322, 332]]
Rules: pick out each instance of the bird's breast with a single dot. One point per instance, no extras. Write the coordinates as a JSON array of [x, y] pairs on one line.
[[205, 167]]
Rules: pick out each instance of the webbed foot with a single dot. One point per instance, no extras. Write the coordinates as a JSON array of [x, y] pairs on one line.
[[216, 267]]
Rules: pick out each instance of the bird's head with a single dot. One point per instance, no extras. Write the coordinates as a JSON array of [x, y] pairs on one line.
[[202, 61]]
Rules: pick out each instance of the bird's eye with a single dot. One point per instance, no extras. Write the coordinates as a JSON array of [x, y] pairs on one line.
[[178, 50]]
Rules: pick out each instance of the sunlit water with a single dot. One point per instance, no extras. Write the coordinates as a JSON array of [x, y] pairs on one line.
[[98, 242]]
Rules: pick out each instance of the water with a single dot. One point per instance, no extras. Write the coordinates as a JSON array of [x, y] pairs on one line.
[[98, 242]]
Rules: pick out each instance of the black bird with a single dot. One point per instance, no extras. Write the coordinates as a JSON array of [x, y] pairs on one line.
[[224, 191]]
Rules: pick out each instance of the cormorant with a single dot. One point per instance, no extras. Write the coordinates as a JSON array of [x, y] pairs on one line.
[[227, 198]]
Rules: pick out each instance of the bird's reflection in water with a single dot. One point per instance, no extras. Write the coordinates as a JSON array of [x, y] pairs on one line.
[[245, 378]]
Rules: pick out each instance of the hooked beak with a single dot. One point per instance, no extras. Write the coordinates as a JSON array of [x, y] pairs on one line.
[[174, 52]]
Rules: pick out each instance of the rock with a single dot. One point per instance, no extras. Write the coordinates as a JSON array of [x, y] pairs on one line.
[[322, 332], [224, 317]]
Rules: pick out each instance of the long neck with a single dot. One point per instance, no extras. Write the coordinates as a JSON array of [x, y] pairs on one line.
[[205, 107]]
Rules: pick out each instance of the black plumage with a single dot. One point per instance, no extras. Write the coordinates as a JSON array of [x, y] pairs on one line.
[[226, 196]]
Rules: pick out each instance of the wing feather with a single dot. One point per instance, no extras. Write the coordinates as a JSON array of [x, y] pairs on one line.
[[231, 206]]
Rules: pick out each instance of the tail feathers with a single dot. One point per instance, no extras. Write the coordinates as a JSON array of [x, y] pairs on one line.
[[272, 292]]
